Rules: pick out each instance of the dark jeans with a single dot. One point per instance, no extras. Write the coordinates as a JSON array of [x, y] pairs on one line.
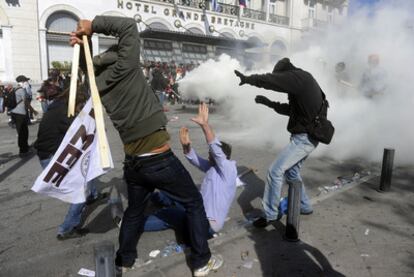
[[165, 172], [22, 131]]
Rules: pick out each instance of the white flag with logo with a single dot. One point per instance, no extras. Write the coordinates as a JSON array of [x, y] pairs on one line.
[[76, 161]]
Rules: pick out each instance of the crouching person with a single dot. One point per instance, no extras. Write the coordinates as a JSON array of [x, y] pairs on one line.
[[217, 189]]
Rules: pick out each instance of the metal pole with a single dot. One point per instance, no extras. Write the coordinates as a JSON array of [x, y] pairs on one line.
[[386, 172], [104, 259], [292, 221]]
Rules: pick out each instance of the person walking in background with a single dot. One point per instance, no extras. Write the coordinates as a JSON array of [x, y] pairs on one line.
[[159, 83], [374, 79], [9, 98], [26, 85], [20, 115], [305, 101]]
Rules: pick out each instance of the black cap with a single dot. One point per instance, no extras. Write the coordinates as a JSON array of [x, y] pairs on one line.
[[22, 78]]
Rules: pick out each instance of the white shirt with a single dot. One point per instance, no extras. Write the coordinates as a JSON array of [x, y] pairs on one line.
[[21, 95]]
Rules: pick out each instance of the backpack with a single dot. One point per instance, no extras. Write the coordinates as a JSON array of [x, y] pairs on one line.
[[10, 100]]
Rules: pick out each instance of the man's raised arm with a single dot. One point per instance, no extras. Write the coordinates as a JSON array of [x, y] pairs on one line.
[[189, 152], [125, 29], [280, 81]]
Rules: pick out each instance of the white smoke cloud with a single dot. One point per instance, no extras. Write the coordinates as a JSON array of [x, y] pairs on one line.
[[364, 127]]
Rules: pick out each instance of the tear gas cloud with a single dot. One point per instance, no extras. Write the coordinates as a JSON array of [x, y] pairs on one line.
[[364, 127]]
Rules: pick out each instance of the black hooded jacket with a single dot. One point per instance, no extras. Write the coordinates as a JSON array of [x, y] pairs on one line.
[[304, 93], [52, 129]]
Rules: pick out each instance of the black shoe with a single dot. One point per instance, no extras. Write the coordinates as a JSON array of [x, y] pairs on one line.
[[74, 233], [306, 212], [24, 154], [262, 222]]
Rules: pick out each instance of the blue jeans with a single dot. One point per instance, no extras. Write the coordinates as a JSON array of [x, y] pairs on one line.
[[171, 216], [74, 214], [287, 166], [165, 172], [161, 96], [44, 105]]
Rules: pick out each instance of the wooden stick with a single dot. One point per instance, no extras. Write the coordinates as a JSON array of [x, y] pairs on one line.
[[73, 80], [97, 106]]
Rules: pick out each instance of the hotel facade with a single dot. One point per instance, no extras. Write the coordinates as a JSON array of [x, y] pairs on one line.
[[34, 33]]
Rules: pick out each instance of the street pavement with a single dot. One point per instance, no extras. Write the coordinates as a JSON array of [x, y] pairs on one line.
[[354, 230]]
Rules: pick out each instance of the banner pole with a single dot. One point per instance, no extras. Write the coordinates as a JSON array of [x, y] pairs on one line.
[[73, 80], [97, 106]]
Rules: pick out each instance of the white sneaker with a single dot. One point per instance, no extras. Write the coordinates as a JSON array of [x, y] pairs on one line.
[[215, 262], [118, 221]]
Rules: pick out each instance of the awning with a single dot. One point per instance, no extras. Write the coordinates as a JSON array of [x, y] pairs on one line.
[[198, 38]]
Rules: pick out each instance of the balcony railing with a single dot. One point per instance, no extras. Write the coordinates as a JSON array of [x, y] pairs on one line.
[[254, 14], [278, 19], [228, 9], [199, 4], [231, 10], [314, 23]]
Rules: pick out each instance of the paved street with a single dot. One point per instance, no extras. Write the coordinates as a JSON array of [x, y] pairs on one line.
[[354, 231]]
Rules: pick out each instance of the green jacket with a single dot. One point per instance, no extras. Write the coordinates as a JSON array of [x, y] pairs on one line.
[[128, 99]]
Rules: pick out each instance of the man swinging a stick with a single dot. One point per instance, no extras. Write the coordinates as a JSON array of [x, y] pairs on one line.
[[149, 161]]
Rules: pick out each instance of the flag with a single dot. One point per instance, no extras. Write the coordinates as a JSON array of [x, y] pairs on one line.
[[214, 6], [76, 161], [242, 3]]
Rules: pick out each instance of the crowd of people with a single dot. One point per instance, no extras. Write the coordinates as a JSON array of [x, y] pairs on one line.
[[373, 82], [163, 78]]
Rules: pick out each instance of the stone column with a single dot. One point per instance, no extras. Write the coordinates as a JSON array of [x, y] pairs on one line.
[[44, 59], [7, 43], [267, 10]]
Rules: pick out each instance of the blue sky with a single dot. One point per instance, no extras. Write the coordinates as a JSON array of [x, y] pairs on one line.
[[355, 4]]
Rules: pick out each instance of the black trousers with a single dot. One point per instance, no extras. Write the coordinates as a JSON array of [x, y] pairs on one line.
[[165, 172], [22, 132]]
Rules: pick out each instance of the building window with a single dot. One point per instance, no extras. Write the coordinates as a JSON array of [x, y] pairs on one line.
[[272, 8], [59, 25], [158, 45], [62, 22], [194, 48], [311, 8], [157, 50], [194, 53]]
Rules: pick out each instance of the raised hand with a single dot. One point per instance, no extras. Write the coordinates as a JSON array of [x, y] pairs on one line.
[[241, 76], [185, 140], [202, 117], [260, 99], [184, 136]]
